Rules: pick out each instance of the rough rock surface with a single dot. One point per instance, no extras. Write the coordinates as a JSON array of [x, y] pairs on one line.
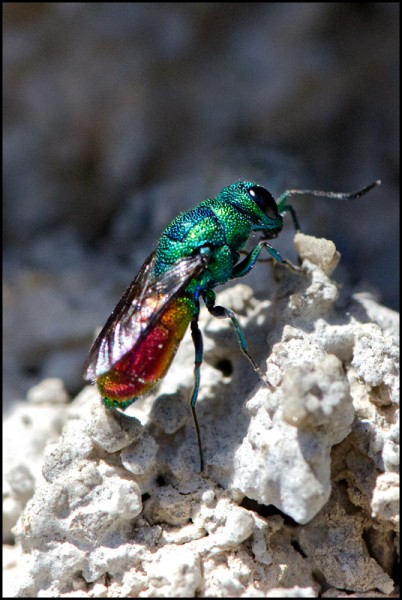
[[300, 491]]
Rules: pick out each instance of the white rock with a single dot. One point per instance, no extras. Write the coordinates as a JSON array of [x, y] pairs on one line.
[[385, 502], [173, 573], [122, 503]]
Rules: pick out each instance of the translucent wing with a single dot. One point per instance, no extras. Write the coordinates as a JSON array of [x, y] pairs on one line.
[[140, 306]]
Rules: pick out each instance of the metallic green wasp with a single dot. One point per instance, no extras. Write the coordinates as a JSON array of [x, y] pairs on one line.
[[199, 250]]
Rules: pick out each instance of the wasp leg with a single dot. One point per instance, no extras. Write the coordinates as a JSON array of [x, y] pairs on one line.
[[220, 312], [199, 348], [245, 266]]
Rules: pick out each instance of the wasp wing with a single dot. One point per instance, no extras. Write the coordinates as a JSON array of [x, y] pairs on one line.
[[139, 307]]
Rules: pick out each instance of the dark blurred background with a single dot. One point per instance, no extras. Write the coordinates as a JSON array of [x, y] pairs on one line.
[[119, 115]]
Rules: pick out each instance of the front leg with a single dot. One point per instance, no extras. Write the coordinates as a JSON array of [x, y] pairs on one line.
[[249, 261]]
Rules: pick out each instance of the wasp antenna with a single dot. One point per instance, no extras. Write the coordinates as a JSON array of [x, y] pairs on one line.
[[360, 192], [336, 195]]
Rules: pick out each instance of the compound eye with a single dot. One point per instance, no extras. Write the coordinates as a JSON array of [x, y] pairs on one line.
[[264, 200]]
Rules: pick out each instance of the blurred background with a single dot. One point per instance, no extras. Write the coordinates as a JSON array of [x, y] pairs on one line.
[[119, 115]]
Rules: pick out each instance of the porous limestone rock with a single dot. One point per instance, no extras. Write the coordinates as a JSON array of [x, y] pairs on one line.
[[299, 490], [25, 435]]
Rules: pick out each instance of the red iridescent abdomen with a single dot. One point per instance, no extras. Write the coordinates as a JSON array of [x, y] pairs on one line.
[[147, 362]]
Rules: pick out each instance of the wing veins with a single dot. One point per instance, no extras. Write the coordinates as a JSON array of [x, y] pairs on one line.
[[138, 309]]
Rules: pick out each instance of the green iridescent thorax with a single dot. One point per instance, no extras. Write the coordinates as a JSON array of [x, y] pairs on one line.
[[223, 224], [212, 224]]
